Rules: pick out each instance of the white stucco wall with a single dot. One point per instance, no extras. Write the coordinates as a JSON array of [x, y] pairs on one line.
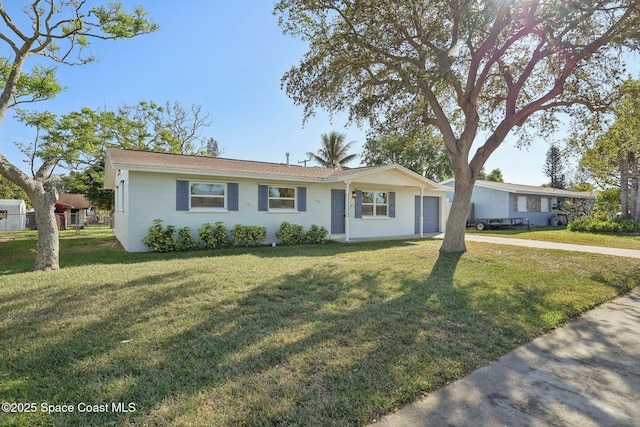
[[404, 222], [148, 196], [490, 203], [122, 209], [153, 195]]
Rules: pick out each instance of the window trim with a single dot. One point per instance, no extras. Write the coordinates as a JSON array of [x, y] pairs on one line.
[[294, 198], [375, 204], [224, 197], [522, 200], [547, 206]]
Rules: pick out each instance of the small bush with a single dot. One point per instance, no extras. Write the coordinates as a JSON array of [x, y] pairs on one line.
[[160, 239], [186, 241], [214, 237], [248, 235], [290, 234], [605, 225], [316, 235]]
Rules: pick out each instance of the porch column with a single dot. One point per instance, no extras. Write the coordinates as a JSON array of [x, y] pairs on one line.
[[347, 198], [421, 211]]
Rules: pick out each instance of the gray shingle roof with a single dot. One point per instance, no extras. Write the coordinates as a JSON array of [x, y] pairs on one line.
[[199, 163], [532, 189]]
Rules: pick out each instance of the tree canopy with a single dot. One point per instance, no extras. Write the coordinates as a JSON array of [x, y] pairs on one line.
[[423, 154], [56, 32], [612, 154], [333, 152], [462, 67], [554, 167]]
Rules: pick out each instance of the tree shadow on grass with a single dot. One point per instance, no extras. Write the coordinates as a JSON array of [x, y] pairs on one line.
[[328, 344], [18, 256], [583, 374]]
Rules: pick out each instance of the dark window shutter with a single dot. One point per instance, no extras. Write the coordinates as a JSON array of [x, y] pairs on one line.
[[392, 204], [182, 195], [358, 213], [263, 197], [302, 199], [232, 196]]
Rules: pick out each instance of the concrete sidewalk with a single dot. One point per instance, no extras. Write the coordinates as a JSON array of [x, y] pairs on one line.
[[586, 373], [631, 253]]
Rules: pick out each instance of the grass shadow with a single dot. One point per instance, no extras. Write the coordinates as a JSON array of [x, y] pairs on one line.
[[264, 340]]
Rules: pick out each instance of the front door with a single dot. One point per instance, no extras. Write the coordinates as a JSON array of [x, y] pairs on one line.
[[431, 212], [337, 211]]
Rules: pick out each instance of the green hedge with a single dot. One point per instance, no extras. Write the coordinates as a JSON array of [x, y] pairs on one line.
[[316, 235], [599, 225], [290, 234], [248, 235], [167, 239], [159, 238], [214, 237]]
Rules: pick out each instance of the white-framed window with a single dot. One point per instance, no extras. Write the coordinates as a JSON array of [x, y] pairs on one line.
[[544, 204], [207, 195], [375, 203], [522, 203], [282, 198], [4, 214]]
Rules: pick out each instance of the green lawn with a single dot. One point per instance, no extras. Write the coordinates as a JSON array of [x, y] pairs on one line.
[[326, 335], [562, 235]]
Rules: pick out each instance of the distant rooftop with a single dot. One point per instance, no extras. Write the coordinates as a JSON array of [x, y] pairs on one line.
[[77, 201], [531, 189]]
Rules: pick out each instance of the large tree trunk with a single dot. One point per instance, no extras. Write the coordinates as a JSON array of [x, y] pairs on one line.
[[43, 201], [43, 196], [634, 188], [624, 184], [457, 221]]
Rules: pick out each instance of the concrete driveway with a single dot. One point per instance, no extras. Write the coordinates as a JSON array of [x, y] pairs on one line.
[[631, 253], [586, 373]]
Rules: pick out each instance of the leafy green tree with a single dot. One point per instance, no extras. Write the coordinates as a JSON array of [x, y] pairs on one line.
[[608, 202], [582, 186], [495, 176], [8, 190], [146, 126], [90, 182], [612, 156], [212, 149], [168, 128], [554, 167], [333, 153], [56, 32], [425, 155], [461, 66]]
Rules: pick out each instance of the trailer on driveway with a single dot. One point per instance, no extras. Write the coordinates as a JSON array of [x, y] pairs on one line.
[[497, 223]]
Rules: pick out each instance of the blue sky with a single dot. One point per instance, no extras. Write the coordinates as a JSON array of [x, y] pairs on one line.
[[227, 57]]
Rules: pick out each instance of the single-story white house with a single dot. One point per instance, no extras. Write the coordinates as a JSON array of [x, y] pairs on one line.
[[368, 202], [538, 205], [13, 215]]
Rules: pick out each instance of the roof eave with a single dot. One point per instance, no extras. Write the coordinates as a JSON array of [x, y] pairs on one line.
[[214, 173]]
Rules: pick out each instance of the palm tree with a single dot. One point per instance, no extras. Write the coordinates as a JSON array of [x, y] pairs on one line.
[[333, 153]]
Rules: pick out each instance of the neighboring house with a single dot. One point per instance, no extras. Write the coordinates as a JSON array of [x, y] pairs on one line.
[[72, 209], [369, 202], [13, 215], [536, 204]]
